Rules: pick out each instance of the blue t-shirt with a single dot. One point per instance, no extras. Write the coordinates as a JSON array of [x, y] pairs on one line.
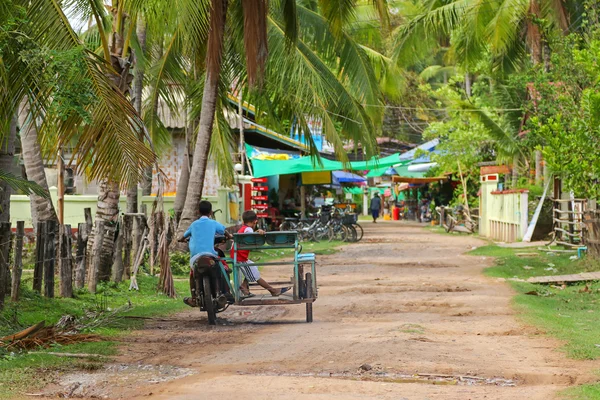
[[202, 232]]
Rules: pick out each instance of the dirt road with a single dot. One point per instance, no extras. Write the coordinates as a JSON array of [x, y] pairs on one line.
[[402, 315]]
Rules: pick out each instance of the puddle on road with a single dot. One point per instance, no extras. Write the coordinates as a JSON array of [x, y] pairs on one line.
[[389, 377]]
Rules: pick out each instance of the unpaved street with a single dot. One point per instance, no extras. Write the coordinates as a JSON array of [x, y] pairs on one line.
[[405, 304]]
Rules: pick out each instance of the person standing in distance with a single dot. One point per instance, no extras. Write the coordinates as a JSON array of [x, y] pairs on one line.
[[375, 207]]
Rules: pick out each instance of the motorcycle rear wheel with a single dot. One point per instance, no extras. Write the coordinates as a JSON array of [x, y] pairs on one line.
[[209, 306]]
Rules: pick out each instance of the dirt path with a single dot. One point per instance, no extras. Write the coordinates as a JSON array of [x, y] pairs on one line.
[[402, 302]]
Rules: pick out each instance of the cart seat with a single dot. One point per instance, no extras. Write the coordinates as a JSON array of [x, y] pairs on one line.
[[306, 257]]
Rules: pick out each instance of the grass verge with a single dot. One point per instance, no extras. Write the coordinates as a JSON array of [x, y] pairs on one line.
[[570, 313], [20, 372]]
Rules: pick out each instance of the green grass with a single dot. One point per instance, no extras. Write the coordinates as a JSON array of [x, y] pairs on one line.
[[26, 371], [583, 392], [570, 313]]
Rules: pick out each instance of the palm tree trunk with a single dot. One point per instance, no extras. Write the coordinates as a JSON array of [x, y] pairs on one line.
[[534, 34], [107, 212], [42, 209], [184, 178], [138, 85], [7, 163], [207, 115]]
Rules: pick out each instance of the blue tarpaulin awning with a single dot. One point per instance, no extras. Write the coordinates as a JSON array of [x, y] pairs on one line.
[[347, 177]]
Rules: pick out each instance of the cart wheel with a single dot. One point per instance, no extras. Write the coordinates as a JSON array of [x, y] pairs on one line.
[[309, 295]]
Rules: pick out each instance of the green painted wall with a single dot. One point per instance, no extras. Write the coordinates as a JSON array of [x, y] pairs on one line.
[[20, 207]]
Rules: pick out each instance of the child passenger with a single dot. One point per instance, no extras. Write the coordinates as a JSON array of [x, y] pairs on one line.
[[248, 268]]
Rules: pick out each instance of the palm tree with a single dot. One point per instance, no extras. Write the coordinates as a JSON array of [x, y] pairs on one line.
[[477, 27], [298, 74], [7, 163], [101, 126], [42, 208]]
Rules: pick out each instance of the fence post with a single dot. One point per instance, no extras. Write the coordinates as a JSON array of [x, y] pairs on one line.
[[18, 266], [82, 235], [38, 269], [96, 256], [87, 212], [66, 265], [153, 237], [118, 256], [5, 237], [127, 243], [49, 258]]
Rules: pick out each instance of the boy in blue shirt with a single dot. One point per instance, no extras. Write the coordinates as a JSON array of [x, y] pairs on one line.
[[202, 233], [202, 243]]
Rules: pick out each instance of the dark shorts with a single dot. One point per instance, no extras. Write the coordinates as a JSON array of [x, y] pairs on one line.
[[375, 213]]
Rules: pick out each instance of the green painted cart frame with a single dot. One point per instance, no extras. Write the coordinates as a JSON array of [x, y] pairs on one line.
[[304, 282]]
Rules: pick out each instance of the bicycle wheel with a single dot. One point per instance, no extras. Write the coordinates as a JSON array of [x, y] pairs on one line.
[[359, 232], [285, 226], [339, 233], [351, 237], [328, 234]]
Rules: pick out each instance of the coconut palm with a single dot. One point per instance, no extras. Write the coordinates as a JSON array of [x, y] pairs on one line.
[[508, 30], [313, 69], [80, 104]]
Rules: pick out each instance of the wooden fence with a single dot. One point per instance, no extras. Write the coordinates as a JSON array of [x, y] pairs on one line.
[[55, 259]]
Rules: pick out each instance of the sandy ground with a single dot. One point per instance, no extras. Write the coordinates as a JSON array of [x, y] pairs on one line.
[[401, 315]]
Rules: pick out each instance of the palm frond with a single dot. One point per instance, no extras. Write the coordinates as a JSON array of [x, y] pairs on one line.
[[506, 141], [344, 54], [390, 77], [16, 183], [108, 145], [415, 40], [505, 27], [337, 13], [304, 84]]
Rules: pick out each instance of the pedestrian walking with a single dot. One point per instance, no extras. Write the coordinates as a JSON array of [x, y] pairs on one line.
[[375, 207]]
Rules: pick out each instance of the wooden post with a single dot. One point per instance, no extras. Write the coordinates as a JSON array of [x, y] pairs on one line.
[[5, 237], [38, 269], [61, 189], [96, 256], [87, 212], [136, 234], [18, 266], [82, 235], [303, 201], [127, 244], [138, 261], [154, 238], [118, 255], [66, 264], [49, 258]]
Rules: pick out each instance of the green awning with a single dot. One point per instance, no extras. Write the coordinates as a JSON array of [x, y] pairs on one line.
[[262, 168], [353, 190], [403, 171]]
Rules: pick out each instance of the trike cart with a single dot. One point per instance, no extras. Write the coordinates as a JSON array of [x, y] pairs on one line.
[[303, 280]]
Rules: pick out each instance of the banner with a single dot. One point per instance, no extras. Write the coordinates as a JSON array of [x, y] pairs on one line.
[[316, 178]]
